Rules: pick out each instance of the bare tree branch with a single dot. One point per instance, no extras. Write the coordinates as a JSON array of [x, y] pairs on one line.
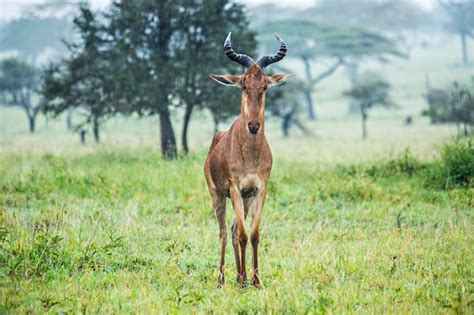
[[328, 72]]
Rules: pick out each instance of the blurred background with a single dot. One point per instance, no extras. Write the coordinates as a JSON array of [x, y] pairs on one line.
[[370, 77]]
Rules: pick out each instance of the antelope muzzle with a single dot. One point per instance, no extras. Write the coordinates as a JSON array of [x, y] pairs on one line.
[[253, 126]]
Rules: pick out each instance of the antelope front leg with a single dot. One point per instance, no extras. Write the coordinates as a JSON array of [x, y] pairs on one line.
[[239, 227], [257, 209], [219, 208]]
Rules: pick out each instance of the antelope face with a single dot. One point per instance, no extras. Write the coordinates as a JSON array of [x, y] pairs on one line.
[[254, 83]]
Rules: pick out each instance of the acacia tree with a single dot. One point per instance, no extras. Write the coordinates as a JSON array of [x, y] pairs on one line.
[[203, 31], [334, 44], [18, 87], [398, 19], [461, 14], [369, 91], [286, 104]]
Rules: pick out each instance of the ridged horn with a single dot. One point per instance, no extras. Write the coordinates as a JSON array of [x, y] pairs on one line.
[[242, 59], [269, 59]]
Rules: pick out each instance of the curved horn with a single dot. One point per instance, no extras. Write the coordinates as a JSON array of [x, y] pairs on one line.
[[242, 59], [269, 59]]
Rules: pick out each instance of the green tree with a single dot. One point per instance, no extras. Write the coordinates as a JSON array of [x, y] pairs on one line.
[[84, 81], [203, 29], [338, 44], [369, 91], [19, 82], [146, 36], [461, 14]]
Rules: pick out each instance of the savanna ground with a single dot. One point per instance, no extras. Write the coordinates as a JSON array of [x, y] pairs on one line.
[[348, 226]]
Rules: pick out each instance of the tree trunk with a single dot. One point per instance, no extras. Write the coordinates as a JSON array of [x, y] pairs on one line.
[[168, 140], [82, 134], [216, 123], [95, 129], [309, 104], [32, 123], [364, 121], [69, 119], [307, 92], [464, 48], [187, 119], [364, 127], [286, 124]]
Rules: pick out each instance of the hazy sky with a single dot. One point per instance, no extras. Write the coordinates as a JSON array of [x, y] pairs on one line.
[[10, 9]]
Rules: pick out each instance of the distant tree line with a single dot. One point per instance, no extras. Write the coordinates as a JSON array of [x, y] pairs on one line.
[[147, 58]]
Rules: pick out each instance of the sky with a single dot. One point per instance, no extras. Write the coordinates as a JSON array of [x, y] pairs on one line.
[[11, 9]]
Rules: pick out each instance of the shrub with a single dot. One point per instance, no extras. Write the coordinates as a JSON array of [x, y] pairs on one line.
[[456, 168], [403, 164]]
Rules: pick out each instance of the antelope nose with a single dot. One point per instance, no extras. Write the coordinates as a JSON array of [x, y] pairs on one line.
[[253, 127]]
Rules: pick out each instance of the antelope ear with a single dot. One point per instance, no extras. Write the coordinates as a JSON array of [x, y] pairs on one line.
[[277, 79], [229, 80]]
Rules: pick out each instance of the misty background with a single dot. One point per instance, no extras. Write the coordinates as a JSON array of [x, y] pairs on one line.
[[370, 77]]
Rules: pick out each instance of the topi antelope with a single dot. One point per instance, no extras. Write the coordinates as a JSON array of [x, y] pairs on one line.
[[239, 160]]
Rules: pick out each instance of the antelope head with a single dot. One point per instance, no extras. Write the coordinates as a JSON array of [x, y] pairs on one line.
[[254, 83]]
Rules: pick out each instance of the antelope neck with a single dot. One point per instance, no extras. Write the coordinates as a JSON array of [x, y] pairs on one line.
[[250, 145]]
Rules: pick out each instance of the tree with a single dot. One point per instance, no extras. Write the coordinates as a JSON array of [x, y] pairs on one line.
[[145, 35], [462, 107], [18, 86], [84, 81], [370, 90], [461, 14], [455, 106], [437, 100], [339, 45], [203, 31], [388, 17], [286, 104]]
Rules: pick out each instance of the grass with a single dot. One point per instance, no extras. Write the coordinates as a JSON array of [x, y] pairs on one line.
[[125, 231], [349, 225]]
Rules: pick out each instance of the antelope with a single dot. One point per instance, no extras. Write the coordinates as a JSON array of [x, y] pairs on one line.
[[239, 160]]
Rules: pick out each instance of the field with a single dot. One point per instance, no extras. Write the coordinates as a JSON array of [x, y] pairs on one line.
[[349, 225], [128, 232]]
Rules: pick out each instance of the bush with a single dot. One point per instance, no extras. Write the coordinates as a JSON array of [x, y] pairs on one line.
[[403, 164], [456, 168]]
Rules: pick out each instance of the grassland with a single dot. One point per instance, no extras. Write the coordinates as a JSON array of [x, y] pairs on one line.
[[349, 225], [126, 231]]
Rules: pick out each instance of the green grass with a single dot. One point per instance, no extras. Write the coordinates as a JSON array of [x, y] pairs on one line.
[[125, 231], [349, 225]]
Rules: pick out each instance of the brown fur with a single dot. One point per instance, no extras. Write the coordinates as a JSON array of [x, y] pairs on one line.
[[238, 166]]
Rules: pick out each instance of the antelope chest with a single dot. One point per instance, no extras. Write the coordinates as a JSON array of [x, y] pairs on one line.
[[250, 184]]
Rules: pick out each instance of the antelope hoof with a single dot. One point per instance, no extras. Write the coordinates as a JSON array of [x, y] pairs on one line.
[[242, 280], [221, 281], [256, 281]]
